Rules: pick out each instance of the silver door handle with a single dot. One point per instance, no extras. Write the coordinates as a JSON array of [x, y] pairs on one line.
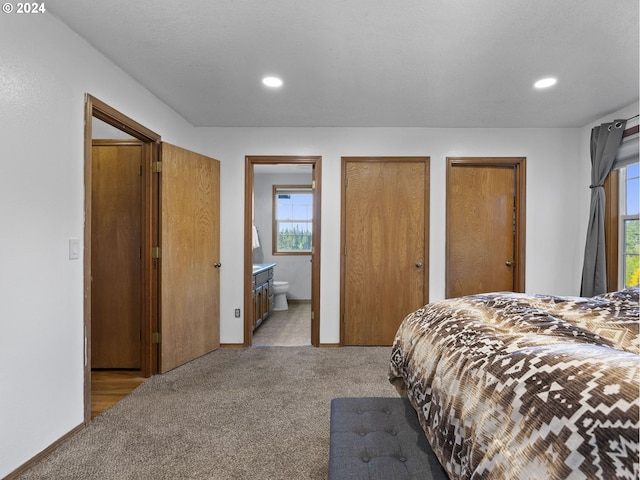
[[217, 264], [418, 264], [508, 263]]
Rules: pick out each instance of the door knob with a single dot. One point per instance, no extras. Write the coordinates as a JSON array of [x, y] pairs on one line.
[[217, 264], [418, 264], [508, 263]]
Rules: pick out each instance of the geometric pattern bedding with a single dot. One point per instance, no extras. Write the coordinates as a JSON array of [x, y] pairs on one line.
[[514, 386]]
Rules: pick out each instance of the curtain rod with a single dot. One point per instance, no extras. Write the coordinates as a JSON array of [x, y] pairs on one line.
[[631, 118]]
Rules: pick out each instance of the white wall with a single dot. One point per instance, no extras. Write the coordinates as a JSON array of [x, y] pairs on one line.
[[295, 269], [555, 207], [45, 71]]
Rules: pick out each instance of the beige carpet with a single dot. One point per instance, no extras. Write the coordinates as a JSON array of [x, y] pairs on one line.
[[256, 413]]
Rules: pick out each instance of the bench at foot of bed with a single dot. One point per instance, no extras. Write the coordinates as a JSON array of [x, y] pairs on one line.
[[379, 438]]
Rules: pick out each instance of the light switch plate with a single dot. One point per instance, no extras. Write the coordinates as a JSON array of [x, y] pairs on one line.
[[74, 248]]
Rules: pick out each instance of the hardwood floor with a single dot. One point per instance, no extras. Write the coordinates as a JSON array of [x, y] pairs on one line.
[[108, 387]]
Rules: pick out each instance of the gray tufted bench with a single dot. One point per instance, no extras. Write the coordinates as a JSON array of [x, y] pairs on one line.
[[379, 438]]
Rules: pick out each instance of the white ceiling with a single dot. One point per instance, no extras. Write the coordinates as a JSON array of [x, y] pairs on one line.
[[362, 63]]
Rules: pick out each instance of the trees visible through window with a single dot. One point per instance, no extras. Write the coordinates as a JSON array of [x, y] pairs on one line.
[[292, 219], [629, 225]]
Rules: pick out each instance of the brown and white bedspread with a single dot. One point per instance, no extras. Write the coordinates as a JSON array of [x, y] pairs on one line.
[[514, 386]]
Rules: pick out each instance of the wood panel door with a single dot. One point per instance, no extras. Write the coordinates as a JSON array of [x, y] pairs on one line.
[[116, 264], [385, 245], [484, 208], [190, 256]]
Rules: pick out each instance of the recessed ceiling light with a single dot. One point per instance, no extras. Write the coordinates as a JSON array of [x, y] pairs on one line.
[[545, 82], [273, 82]]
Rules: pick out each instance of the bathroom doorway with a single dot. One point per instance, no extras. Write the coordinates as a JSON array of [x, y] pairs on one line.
[[269, 319]]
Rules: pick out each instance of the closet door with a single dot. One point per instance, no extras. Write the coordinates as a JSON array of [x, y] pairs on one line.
[[485, 225], [116, 264], [385, 263], [189, 256]]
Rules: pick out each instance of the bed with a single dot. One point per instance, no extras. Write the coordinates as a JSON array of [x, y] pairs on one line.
[[517, 386]]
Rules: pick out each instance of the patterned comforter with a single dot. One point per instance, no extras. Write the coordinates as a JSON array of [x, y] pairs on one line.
[[514, 386]]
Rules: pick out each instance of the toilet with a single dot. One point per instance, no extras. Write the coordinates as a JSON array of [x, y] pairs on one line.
[[280, 290]]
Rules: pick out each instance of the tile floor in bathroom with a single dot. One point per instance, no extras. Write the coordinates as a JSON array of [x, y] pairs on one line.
[[286, 328]]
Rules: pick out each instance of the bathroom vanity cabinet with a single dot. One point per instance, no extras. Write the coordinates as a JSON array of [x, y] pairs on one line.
[[263, 299]]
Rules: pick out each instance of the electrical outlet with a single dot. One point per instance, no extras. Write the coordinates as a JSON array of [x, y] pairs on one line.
[[237, 313]]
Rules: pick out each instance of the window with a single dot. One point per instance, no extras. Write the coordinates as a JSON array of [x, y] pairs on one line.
[[621, 214], [629, 239], [292, 219]]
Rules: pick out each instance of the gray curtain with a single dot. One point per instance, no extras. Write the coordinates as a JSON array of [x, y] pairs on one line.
[[605, 141]]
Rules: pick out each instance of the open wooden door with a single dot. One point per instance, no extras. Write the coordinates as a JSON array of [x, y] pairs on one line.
[[189, 256]]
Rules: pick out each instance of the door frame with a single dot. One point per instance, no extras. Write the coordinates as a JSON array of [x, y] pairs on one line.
[[149, 321], [520, 181], [343, 227], [316, 163]]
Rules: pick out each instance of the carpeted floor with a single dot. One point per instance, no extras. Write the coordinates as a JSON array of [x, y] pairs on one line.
[[256, 413]]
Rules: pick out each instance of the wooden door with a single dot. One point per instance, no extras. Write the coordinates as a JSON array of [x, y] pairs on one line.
[[116, 264], [385, 265], [483, 224], [190, 256]]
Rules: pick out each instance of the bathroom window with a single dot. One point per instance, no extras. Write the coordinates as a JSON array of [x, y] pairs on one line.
[[292, 219]]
